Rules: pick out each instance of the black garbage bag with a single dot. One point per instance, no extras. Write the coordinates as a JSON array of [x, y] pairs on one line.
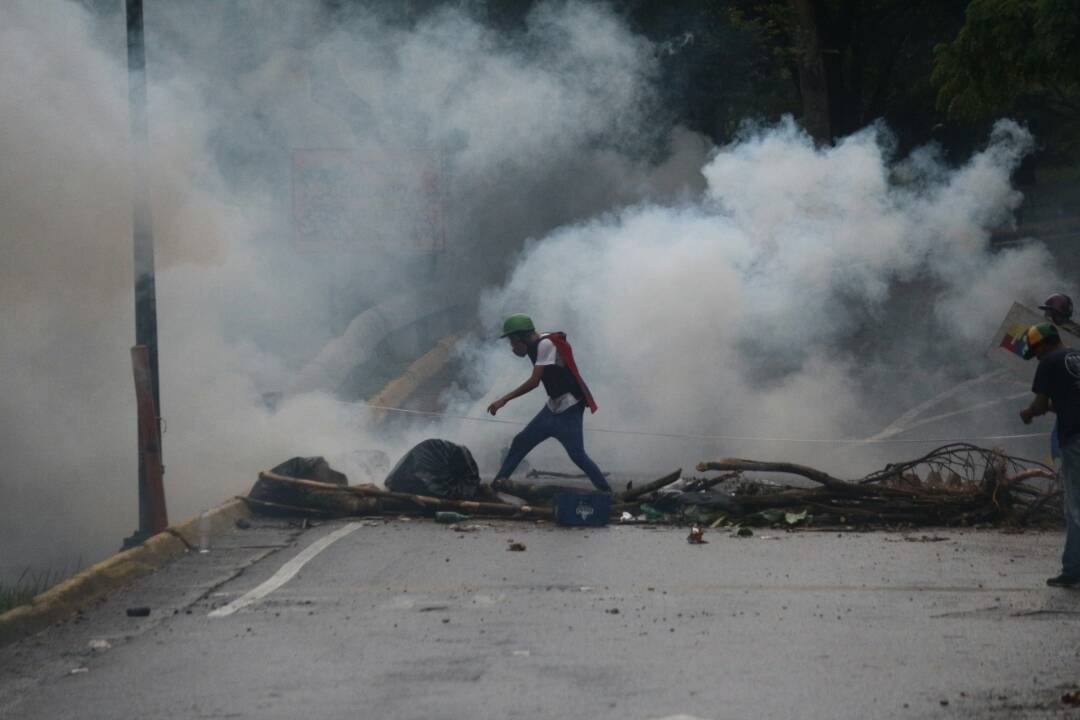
[[438, 468], [310, 468]]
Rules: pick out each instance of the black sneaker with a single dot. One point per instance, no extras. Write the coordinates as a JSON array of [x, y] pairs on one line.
[[1064, 581]]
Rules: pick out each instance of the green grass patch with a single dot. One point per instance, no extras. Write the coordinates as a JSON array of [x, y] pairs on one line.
[[29, 585]]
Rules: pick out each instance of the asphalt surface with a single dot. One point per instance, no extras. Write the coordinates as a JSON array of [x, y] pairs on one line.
[[411, 619]]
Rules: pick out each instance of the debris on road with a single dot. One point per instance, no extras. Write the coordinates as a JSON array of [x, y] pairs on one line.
[[310, 468], [279, 495], [451, 517], [438, 468], [515, 546], [552, 474], [696, 536], [955, 485], [579, 508], [141, 611]]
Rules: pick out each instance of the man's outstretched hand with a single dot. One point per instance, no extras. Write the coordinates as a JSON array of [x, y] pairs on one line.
[[496, 406]]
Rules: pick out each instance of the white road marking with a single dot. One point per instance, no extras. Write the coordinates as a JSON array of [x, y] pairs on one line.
[[285, 574]]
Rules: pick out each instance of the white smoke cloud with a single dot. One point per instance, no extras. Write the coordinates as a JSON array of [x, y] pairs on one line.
[[532, 131], [728, 294], [764, 309]]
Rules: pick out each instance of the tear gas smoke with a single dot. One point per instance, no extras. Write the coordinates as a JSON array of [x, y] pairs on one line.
[[776, 306], [291, 151], [766, 289]]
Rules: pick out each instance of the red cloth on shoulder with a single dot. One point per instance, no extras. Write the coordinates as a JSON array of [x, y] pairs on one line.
[[558, 339]]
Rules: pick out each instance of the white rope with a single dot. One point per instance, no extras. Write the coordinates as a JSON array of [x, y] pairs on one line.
[[683, 436]]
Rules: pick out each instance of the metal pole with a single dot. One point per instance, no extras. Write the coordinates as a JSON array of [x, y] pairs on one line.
[[143, 236]]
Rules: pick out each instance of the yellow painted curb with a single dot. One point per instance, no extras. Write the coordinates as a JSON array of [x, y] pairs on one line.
[[427, 366], [115, 572]]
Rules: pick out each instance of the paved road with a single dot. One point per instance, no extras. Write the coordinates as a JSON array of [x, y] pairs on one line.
[[415, 620]]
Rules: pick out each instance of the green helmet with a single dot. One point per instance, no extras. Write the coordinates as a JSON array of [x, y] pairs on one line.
[[517, 323]]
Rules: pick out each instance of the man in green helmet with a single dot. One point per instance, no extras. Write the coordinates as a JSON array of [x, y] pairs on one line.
[[562, 417]]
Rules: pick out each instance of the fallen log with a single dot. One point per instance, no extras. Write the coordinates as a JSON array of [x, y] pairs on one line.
[[730, 464], [634, 493], [534, 473], [709, 483], [371, 500], [265, 507], [541, 493], [532, 492]]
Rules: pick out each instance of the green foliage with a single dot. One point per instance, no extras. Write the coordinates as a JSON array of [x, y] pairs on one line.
[[877, 53], [1011, 55], [29, 585]]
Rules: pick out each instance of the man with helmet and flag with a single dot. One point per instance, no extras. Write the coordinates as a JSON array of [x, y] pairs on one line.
[[562, 417], [1057, 389], [1058, 309]]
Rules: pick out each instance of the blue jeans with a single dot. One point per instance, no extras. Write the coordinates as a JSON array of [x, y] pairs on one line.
[[1070, 478], [567, 428]]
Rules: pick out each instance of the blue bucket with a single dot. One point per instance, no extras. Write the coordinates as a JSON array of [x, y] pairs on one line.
[[582, 508]]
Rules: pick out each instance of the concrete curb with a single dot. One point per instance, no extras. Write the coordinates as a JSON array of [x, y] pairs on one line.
[[400, 389], [78, 591]]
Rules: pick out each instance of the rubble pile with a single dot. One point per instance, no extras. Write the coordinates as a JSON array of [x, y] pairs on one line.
[[955, 485]]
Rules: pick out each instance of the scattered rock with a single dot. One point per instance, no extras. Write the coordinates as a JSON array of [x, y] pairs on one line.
[[516, 547]]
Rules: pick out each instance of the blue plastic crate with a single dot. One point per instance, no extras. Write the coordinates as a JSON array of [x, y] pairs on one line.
[[582, 508]]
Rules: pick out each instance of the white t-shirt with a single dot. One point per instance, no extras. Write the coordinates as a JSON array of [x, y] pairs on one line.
[[546, 354]]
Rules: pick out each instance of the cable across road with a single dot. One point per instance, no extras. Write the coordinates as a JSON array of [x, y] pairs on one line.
[[692, 436]]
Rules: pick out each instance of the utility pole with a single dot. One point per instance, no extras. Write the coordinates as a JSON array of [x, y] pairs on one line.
[[151, 498]]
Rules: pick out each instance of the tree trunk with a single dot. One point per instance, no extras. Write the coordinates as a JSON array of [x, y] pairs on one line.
[[813, 83]]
